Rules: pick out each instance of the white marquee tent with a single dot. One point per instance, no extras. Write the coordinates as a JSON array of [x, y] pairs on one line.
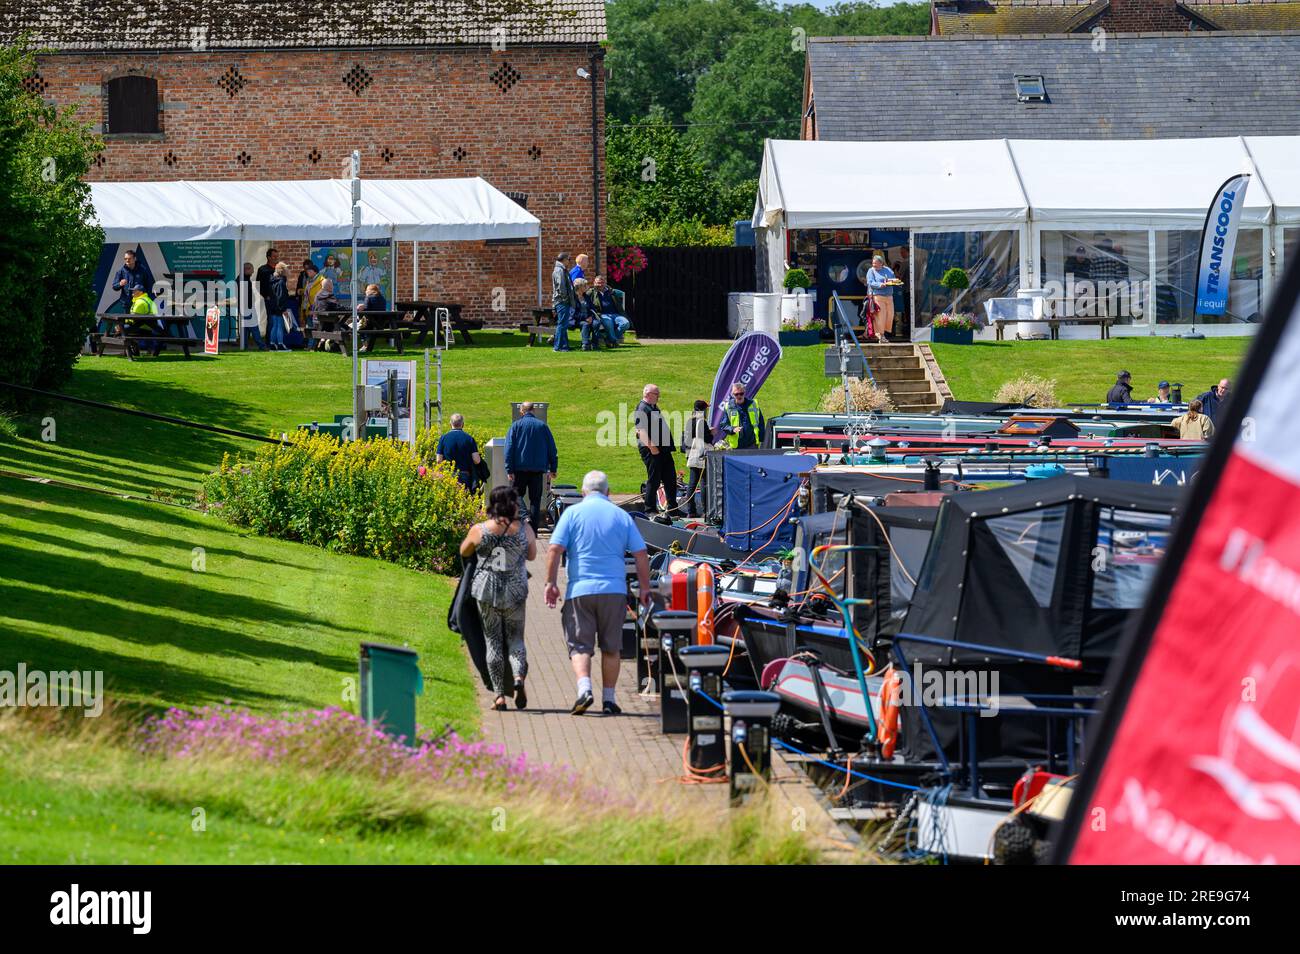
[[1045, 199], [406, 210]]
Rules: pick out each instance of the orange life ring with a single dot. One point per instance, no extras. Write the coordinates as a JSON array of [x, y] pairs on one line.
[[891, 705], [704, 594]]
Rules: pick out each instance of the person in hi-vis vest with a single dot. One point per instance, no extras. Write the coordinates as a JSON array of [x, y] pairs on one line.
[[744, 420]]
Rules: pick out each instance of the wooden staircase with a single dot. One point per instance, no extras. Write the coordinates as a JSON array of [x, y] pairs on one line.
[[908, 374]]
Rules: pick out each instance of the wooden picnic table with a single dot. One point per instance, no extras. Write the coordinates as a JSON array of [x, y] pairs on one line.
[[334, 326], [127, 330], [426, 315], [1054, 325], [543, 324]]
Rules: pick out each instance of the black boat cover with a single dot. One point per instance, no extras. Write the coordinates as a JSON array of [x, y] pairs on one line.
[[1051, 567], [889, 547], [828, 487], [1054, 566], [976, 408]]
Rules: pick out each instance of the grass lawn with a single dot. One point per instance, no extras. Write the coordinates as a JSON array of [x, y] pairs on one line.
[[267, 393], [94, 582], [1085, 370], [272, 392], [81, 797]]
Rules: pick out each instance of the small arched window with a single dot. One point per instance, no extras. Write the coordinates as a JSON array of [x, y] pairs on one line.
[[132, 105]]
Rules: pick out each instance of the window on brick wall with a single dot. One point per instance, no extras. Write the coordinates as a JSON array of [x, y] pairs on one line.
[[131, 106]]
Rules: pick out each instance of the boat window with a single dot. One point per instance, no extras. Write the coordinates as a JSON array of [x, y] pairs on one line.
[[1032, 541], [1129, 547], [830, 563], [909, 553]]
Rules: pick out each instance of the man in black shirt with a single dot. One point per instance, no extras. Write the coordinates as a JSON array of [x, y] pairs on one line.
[[654, 441], [133, 272], [1122, 391], [266, 273]]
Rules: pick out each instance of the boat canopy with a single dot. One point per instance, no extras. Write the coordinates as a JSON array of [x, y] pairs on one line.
[[1055, 567], [762, 494], [889, 546]]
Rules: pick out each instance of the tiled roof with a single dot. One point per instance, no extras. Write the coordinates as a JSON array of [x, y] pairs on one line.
[[1249, 14], [1014, 16], [1150, 85], [243, 24]]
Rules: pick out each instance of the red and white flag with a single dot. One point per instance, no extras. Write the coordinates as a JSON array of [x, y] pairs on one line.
[[1197, 757]]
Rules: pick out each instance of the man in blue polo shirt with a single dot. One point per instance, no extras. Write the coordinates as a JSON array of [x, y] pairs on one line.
[[461, 449], [596, 534]]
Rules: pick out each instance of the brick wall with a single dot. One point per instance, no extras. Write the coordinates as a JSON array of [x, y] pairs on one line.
[[1143, 16], [439, 112]]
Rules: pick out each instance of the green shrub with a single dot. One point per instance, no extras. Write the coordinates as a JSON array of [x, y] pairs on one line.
[[676, 234], [367, 498], [797, 278], [955, 278]]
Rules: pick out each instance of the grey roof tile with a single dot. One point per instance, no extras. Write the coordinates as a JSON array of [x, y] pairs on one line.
[[1154, 86]]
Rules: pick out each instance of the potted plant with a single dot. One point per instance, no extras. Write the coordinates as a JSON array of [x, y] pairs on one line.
[[953, 329], [797, 303], [792, 333]]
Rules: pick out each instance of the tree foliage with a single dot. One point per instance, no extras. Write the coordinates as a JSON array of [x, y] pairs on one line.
[[721, 76], [49, 246], [661, 190]]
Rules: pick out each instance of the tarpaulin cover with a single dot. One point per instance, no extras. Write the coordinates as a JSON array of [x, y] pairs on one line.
[[760, 489]]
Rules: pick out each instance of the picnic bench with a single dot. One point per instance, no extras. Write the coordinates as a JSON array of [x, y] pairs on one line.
[[334, 326], [1054, 324], [424, 318], [128, 331], [543, 324]]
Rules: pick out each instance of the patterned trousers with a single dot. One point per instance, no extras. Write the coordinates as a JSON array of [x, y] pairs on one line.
[[503, 636]]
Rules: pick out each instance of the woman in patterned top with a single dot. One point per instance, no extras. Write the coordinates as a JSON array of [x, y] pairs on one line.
[[503, 543]]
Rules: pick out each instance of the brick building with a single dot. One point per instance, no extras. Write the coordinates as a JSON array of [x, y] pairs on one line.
[[955, 17], [424, 88]]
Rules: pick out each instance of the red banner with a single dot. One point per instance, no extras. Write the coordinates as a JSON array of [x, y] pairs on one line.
[[1203, 760], [212, 331]]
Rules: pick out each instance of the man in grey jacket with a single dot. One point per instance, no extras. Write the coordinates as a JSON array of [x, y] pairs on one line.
[[562, 300]]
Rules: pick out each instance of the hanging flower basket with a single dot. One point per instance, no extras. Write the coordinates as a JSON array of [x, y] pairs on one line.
[[625, 261]]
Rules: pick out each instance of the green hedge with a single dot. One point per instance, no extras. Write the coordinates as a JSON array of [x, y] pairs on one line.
[[369, 498], [49, 243]]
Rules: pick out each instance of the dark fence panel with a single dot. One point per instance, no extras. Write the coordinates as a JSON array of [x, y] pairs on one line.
[[682, 292]]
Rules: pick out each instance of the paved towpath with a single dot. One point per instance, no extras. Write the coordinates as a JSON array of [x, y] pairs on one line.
[[624, 753]]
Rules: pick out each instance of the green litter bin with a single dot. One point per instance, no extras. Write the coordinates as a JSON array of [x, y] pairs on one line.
[[390, 681]]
